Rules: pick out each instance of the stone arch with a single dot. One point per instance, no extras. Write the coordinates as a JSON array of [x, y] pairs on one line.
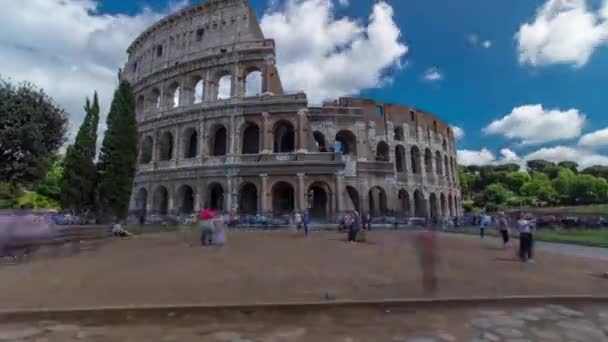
[[399, 136], [377, 201], [320, 201], [283, 198], [415, 155], [348, 141], [444, 145], [185, 197], [353, 195], [141, 201], [439, 163], [215, 197], [145, 151], [320, 141], [196, 90], [404, 203], [420, 204], [251, 139], [253, 82], [190, 143], [224, 86], [284, 137], [382, 152], [173, 95], [433, 205], [160, 200], [165, 146], [428, 161], [446, 165], [140, 106], [400, 158], [154, 100], [248, 199], [443, 204], [218, 140]]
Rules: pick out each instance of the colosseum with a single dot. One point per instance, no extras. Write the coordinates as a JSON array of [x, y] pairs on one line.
[[217, 130]]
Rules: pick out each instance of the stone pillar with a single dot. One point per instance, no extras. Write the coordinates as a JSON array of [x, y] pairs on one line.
[[264, 194], [266, 147], [412, 205], [198, 197], [171, 199], [427, 203], [177, 142], [302, 131], [229, 193], [149, 199], [231, 139], [300, 193], [202, 137], [339, 192]]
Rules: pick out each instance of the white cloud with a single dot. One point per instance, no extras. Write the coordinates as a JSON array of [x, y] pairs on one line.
[[458, 132], [487, 44], [330, 57], [432, 75], [473, 39], [563, 32], [532, 124], [595, 139], [67, 48], [344, 2], [472, 157]]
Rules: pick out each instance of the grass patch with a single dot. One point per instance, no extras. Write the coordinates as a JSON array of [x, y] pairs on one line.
[[588, 237]]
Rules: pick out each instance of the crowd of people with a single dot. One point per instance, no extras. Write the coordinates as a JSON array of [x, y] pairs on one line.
[[525, 225]]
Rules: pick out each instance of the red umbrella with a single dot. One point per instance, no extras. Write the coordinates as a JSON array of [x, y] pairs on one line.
[[206, 214]]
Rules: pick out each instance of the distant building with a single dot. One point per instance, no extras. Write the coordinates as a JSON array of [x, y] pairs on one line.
[[218, 131]]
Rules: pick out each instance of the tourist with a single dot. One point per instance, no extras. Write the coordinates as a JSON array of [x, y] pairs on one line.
[[525, 238], [306, 221], [503, 227], [346, 223], [220, 225], [354, 227], [119, 231], [368, 221], [297, 217], [207, 226], [484, 220]]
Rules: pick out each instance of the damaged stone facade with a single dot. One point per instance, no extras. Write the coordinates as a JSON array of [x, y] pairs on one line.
[[216, 130]]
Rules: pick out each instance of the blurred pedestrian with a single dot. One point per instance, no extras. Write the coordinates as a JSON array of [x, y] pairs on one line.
[[297, 217], [525, 238], [426, 245], [503, 227], [354, 226], [367, 224], [306, 221], [484, 221], [206, 226]]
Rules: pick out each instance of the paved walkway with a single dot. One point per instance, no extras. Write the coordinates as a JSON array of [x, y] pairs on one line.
[[538, 323]]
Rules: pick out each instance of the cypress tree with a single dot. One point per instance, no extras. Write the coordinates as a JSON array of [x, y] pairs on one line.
[[80, 172], [118, 155]]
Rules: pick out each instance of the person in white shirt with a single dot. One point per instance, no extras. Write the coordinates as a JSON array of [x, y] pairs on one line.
[[526, 240], [118, 231], [483, 222]]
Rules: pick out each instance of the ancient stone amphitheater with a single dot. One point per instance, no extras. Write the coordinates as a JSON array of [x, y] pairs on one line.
[[217, 130]]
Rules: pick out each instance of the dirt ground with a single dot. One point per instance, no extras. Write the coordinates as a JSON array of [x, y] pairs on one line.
[[256, 267]]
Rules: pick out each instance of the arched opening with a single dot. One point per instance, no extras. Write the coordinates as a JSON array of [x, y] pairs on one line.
[[400, 158], [186, 199], [428, 161], [438, 162], [248, 199], [198, 91], [382, 152], [444, 145], [348, 141], [433, 205], [420, 204], [154, 100], [320, 141], [161, 201], [319, 201], [219, 141], [165, 147], [173, 95], [224, 87], [284, 137], [444, 205], [190, 143], [377, 201], [140, 107], [446, 165], [215, 197], [283, 198], [404, 201], [251, 139], [452, 168], [253, 83], [141, 201], [415, 154], [451, 205], [399, 134], [353, 194], [145, 154]]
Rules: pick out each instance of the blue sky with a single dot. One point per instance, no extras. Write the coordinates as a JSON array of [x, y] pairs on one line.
[[480, 77]]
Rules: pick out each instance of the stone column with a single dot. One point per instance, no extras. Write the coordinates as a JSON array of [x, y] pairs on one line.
[[264, 194], [427, 203], [171, 199], [177, 142], [231, 138], [302, 130], [339, 192], [266, 147], [198, 196], [229, 193], [202, 137], [149, 199], [412, 205], [301, 195]]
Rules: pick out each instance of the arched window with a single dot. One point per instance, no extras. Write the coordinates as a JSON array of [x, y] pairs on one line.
[[253, 83], [199, 91], [251, 139], [404, 201], [173, 95], [283, 198], [420, 204], [434, 205], [415, 155], [186, 199], [153, 102], [399, 133], [438, 163], [428, 161], [320, 141], [215, 197], [382, 151], [160, 201], [140, 106], [248, 199], [377, 201], [166, 147], [400, 158], [190, 143], [348, 141], [145, 154], [219, 141], [224, 87], [284, 137]]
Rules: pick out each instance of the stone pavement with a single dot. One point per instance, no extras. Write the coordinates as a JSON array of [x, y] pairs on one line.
[[539, 323]]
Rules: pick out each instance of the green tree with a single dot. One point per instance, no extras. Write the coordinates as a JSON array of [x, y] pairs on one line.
[[80, 175], [32, 128], [50, 186], [540, 187], [587, 189], [515, 180], [118, 154], [572, 166], [563, 184], [497, 193], [597, 171], [538, 165], [467, 179]]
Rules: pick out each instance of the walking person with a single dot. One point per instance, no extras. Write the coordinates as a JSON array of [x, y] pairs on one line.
[[354, 227], [368, 221], [525, 239], [306, 221], [297, 217], [503, 227], [484, 220]]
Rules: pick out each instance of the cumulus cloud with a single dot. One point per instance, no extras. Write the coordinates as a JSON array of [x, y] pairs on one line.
[[458, 132], [67, 48], [330, 57], [432, 75], [533, 124], [595, 139], [563, 32], [487, 44], [486, 157]]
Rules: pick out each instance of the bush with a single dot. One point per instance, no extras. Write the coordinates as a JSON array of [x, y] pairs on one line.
[[32, 200], [9, 195]]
